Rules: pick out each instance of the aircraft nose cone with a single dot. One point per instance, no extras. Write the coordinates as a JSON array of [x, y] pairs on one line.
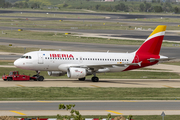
[[17, 63]]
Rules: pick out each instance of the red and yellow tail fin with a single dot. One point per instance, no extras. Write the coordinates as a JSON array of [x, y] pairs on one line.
[[153, 43]]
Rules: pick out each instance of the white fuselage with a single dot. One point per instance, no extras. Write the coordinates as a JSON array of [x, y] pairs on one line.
[[62, 60]]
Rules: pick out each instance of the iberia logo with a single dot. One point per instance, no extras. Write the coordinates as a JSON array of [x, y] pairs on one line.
[[62, 55]]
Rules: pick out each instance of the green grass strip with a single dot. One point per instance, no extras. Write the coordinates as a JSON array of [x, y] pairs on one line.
[[65, 93]]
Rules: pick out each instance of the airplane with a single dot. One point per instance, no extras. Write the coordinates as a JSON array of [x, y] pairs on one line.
[[78, 65]]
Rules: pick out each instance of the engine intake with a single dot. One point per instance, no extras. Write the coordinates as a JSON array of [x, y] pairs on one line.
[[55, 73], [76, 72]]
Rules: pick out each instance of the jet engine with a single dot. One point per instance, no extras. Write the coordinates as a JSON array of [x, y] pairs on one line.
[[76, 72], [55, 73]]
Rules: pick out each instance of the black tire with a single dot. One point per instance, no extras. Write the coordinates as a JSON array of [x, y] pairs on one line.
[[82, 79], [40, 78], [95, 79], [36, 76], [4, 79], [9, 79]]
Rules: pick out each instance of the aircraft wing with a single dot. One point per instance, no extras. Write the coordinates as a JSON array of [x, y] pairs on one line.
[[101, 66]]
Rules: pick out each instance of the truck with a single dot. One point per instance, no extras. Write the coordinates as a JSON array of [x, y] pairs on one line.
[[15, 76]]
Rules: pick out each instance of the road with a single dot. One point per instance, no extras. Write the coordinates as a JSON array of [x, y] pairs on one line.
[[127, 83], [118, 107]]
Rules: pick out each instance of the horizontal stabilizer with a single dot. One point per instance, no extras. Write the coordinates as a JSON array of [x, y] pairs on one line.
[[161, 59]]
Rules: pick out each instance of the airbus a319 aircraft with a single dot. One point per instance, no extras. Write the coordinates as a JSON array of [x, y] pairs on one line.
[[78, 65]]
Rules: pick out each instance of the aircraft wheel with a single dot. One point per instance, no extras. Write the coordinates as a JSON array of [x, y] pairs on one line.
[[82, 79], [40, 78], [95, 79]]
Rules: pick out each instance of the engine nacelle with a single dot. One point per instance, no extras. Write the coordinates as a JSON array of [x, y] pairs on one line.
[[55, 73], [76, 73]]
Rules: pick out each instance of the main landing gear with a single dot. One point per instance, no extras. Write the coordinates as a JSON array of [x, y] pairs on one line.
[[95, 79], [38, 77]]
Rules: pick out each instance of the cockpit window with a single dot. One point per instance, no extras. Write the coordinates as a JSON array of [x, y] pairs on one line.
[[27, 57]]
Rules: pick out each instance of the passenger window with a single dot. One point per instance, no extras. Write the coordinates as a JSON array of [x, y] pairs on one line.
[[29, 57], [26, 57]]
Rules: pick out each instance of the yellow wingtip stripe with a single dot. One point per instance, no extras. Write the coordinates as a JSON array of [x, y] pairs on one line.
[[159, 28]]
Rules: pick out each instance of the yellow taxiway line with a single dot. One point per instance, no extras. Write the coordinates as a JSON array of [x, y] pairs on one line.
[[20, 85], [114, 112], [18, 112], [127, 101], [44, 101], [168, 86], [95, 86]]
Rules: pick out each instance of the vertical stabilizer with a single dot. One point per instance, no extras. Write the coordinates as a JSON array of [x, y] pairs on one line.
[[153, 43]]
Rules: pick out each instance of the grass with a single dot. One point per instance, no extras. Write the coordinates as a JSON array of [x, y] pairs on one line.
[[65, 93], [51, 15], [172, 63], [135, 117]]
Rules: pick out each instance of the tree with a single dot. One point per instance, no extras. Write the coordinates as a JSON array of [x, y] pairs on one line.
[[176, 9], [147, 7], [158, 9], [97, 7], [141, 7], [120, 7], [167, 7], [65, 5], [35, 5], [2, 2], [7, 5]]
